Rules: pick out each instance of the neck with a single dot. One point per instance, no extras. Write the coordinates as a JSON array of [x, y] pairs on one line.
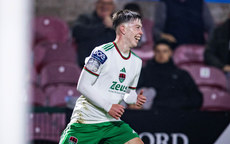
[[122, 45]]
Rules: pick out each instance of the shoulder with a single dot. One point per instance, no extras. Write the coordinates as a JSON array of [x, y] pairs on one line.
[[136, 57], [136, 60], [83, 16], [221, 29], [107, 47], [101, 52], [183, 73], [86, 17]]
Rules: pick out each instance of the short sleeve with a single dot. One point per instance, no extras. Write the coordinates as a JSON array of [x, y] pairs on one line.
[[95, 62]]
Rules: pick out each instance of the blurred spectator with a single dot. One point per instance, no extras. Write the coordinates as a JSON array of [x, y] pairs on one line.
[[175, 88], [91, 30], [144, 48], [217, 52], [183, 21]]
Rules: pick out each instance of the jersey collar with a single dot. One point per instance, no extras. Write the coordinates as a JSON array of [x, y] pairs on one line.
[[125, 58]]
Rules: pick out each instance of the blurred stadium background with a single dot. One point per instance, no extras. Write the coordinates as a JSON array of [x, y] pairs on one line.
[[55, 71]]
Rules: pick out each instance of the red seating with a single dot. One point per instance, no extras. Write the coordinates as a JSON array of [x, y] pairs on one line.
[[57, 94], [189, 54], [60, 73], [33, 76], [206, 75], [215, 99], [144, 55], [45, 126], [50, 28], [48, 52], [38, 98]]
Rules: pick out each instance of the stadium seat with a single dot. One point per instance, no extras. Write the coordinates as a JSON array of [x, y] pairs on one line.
[[215, 99], [47, 52], [189, 54], [34, 78], [50, 29], [38, 97], [58, 95], [47, 127], [144, 55], [60, 73], [206, 75]]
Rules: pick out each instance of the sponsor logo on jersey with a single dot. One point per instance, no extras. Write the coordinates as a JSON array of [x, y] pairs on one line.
[[100, 56], [73, 140], [118, 87], [122, 75]]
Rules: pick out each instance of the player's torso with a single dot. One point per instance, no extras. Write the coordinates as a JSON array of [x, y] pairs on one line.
[[116, 76]]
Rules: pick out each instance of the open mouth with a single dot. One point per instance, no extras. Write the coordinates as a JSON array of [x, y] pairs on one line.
[[137, 38]]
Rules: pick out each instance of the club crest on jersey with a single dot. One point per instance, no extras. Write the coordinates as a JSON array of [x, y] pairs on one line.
[[122, 75], [73, 140]]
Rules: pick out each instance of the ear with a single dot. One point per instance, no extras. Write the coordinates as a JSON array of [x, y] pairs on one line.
[[122, 29]]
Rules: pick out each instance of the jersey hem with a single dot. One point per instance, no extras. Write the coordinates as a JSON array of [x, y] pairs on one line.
[[97, 122]]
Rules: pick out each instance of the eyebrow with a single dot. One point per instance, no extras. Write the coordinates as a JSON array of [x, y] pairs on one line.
[[139, 25]]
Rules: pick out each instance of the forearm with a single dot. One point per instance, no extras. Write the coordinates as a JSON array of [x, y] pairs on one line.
[[131, 98], [94, 95]]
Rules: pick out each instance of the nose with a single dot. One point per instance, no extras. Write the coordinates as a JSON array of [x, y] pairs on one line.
[[141, 32]]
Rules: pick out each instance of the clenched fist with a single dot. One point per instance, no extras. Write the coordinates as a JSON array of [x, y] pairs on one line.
[[116, 111]]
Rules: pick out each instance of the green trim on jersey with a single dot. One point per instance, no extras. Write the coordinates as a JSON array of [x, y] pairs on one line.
[[125, 58], [135, 55], [108, 46]]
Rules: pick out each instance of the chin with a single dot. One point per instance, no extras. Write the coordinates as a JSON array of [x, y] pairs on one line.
[[134, 45]]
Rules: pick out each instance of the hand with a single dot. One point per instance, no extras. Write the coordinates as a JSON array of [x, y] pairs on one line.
[[134, 107], [141, 99], [226, 68], [116, 111], [108, 22], [169, 37]]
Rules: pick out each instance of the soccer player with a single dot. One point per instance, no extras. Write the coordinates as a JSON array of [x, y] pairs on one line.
[[109, 76]]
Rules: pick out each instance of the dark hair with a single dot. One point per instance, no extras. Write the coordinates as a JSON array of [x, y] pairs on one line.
[[163, 41], [133, 7], [124, 16]]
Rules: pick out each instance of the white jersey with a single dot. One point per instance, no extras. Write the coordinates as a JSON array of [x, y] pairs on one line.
[[116, 74]]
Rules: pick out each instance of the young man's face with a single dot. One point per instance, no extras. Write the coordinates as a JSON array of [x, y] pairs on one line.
[[163, 53], [133, 32]]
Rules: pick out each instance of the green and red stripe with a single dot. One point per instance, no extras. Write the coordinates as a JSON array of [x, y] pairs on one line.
[[126, 58], [133, 88], [90, 72]]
